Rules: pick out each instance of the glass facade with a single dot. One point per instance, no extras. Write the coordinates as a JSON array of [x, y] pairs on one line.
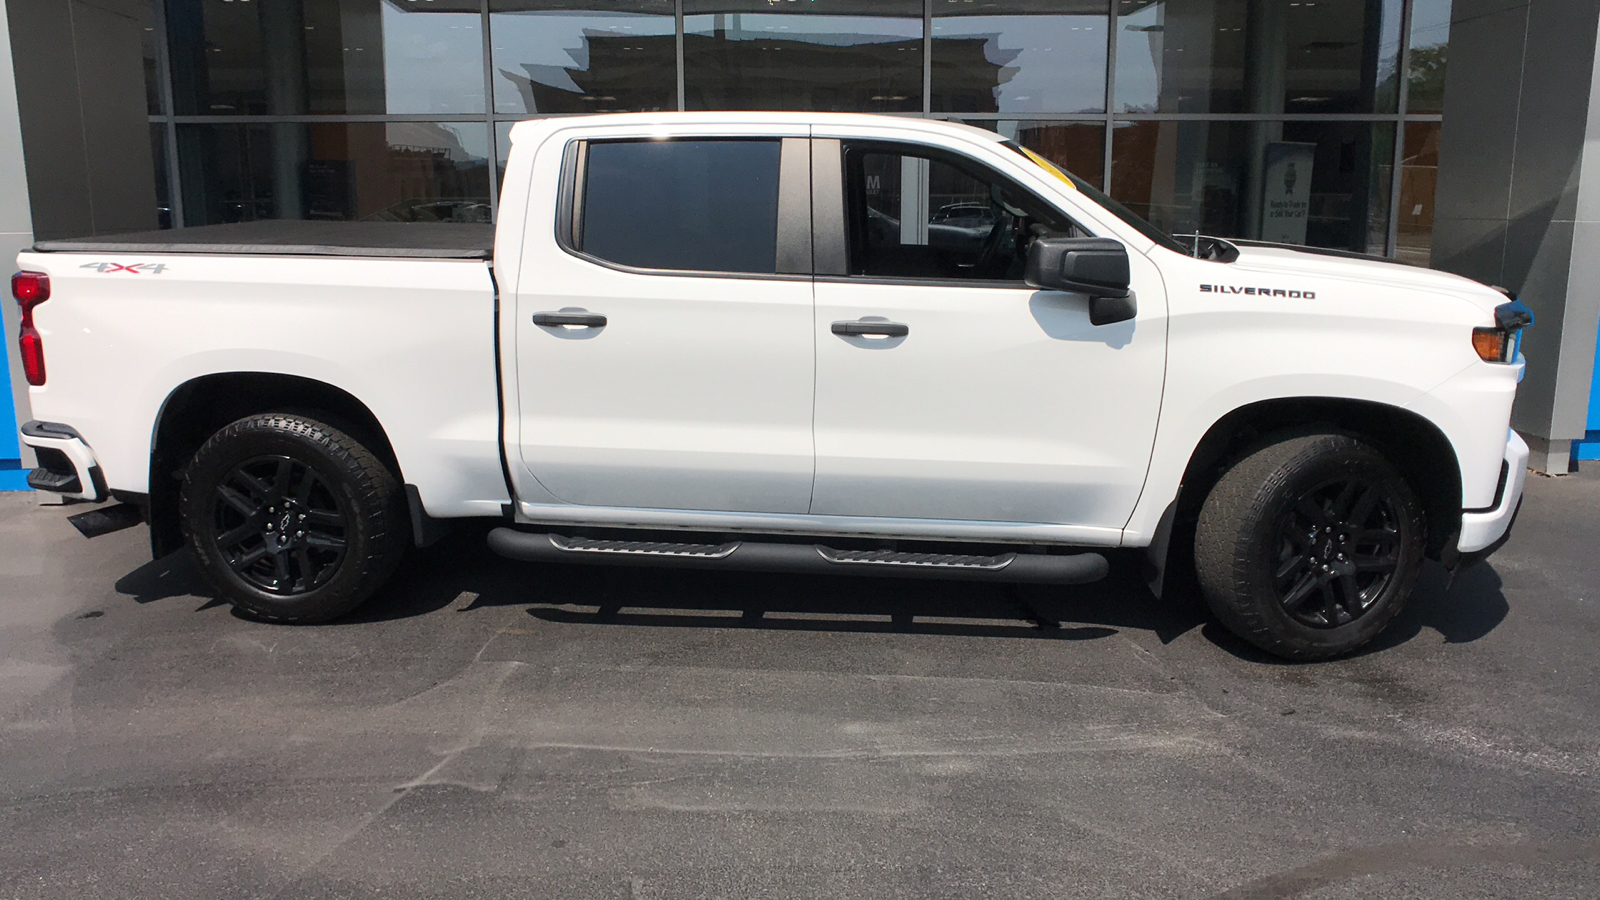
[[1201, 114], [1192, 177], [1018, 56], [1264, 57], [553, 58], [830, 55], [407, 171]]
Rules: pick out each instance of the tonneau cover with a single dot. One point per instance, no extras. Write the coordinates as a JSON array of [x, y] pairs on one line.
[[287, 237]]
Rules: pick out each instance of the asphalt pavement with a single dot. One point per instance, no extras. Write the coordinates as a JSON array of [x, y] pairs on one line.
[[495, 729]]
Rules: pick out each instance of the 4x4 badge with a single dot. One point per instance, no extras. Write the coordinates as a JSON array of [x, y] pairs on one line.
[[135, 269]]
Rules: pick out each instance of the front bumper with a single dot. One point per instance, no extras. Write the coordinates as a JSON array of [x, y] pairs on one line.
[[1482, 529], [66, 463]]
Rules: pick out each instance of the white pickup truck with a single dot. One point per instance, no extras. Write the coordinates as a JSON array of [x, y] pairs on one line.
[[795, 342]]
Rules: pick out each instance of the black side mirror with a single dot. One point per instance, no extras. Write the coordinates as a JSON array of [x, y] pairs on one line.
[[1097, 267]]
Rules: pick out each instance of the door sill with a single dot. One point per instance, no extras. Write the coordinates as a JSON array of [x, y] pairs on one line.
[[821, 526]]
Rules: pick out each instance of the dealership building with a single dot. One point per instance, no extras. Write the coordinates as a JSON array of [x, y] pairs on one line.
[[1439, 133]]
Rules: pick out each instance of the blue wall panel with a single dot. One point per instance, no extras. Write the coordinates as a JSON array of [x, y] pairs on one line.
[[11, 474], [1590, 447]]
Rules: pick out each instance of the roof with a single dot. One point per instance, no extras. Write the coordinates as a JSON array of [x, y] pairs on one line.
[[830, 120]]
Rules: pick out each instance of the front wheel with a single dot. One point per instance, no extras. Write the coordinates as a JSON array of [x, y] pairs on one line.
[[290, 519], [1309, 546]]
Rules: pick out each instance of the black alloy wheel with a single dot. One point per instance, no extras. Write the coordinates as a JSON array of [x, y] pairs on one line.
[[1338, 550], [291, 519], [278, 525], [1309, 545]]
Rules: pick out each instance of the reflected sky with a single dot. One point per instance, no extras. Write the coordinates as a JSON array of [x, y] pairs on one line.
[[1430, 23], [548, 47], [1057, 63], [432, 63]]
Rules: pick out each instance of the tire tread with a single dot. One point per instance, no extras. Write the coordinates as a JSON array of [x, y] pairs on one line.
[[378, 512], [1228, 526]]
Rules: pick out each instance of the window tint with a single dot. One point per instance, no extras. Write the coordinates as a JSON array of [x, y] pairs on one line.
[[914, 216], [707, 205]]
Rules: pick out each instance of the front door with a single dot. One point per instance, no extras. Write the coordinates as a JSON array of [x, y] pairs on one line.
[[947, 388], [664, 349]]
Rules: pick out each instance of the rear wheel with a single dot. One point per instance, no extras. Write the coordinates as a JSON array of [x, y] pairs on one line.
[[1309, 546], [291, 519]]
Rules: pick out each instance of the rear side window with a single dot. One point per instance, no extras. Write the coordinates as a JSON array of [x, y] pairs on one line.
[[703, 205]]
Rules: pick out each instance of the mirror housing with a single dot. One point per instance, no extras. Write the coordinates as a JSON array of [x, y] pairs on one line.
[[1096, 267]]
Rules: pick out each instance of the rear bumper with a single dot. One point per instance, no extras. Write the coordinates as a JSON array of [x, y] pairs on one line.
[[66, 463], [1482, 529]]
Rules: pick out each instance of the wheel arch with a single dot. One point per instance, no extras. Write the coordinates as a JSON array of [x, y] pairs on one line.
[[202, 406], [1414, 444]]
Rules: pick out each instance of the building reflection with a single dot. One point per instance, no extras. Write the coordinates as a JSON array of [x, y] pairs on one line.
[[1265, 59], [1204, 96], [727, 70]]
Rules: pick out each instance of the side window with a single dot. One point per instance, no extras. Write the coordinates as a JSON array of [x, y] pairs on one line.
[[706, 205], [929, 216]]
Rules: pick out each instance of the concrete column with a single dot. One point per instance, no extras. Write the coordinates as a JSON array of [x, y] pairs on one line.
[[1518, 200], [16, 234]]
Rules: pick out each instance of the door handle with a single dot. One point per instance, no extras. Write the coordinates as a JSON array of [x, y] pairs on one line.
[[579, 317], [862, 326]]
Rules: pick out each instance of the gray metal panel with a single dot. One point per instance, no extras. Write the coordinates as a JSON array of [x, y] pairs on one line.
[[1575, 377], [1475, 248], [1482, 93], [1538, 255], [1523, 104], [417, 240], [1551, 127]]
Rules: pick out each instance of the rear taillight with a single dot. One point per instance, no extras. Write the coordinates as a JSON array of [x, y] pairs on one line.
[[31, 289]]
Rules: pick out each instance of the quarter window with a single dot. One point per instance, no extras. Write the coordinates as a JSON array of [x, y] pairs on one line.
[[699, 205], [932, 217]]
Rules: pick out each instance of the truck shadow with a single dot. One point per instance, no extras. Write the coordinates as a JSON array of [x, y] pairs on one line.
[[461, 575]]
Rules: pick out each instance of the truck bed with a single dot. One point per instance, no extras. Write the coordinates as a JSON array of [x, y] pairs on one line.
[[286, 237]]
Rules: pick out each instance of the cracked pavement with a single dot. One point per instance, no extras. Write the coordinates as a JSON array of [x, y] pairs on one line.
[[491, 729]]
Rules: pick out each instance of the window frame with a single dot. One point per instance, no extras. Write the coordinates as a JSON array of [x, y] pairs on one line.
[[831, 200], [792, 255]]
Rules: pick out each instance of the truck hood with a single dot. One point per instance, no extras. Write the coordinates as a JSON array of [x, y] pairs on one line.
[[1303, 262]]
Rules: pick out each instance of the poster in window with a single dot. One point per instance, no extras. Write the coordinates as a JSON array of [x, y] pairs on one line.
[[1286, 195]]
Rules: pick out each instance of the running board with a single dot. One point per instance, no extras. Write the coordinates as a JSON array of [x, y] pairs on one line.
[[1036, 568]]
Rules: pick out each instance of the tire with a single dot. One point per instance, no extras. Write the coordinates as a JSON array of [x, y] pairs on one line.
[[1309, 546], [290, 519]]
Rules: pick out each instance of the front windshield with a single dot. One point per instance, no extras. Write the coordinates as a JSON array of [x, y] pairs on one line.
[[1117, 209]]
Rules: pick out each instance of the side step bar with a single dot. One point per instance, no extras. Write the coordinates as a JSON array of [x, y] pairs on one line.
[[1035, 568]]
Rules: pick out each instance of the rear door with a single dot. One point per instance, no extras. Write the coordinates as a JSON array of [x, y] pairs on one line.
[[664, 350], [946, 387]]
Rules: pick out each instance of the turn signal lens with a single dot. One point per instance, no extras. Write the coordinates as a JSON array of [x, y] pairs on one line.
[[31, 289], [1491, 344]]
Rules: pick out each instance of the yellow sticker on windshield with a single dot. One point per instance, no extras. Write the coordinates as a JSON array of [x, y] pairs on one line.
[[1050, 167]]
